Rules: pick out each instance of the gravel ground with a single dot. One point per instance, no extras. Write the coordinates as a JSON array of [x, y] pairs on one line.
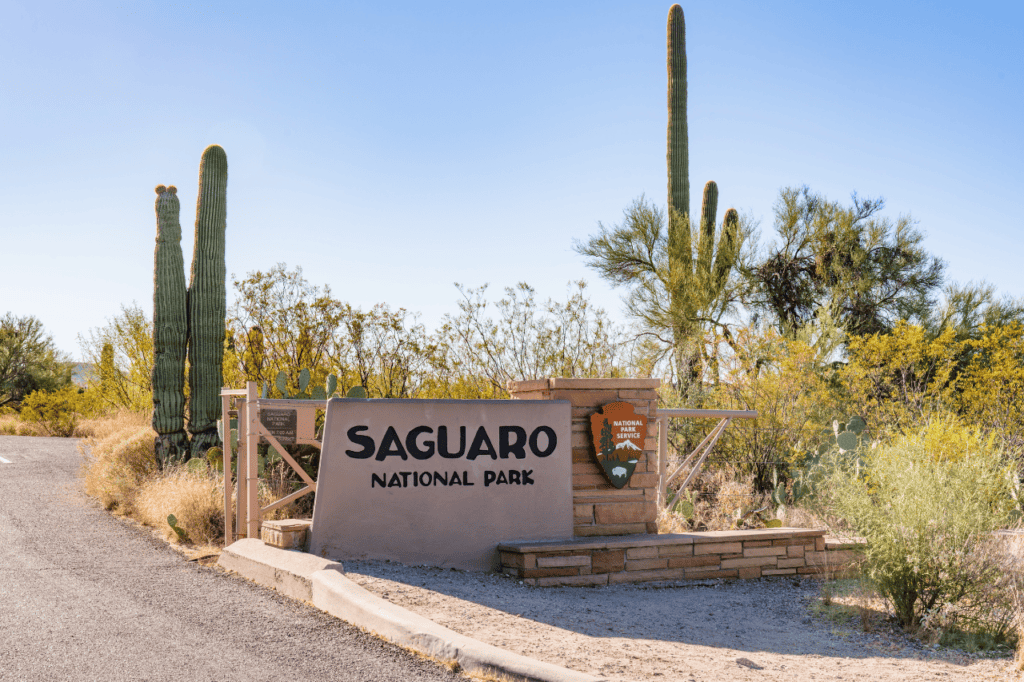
[[86, 596], [712, 630]]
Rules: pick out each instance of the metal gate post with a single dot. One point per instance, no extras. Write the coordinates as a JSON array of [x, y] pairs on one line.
[[252, 510], [662, 458], [225, 416], [240, 498]]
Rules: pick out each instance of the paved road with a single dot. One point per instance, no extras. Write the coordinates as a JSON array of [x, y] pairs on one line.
[[84, 596]]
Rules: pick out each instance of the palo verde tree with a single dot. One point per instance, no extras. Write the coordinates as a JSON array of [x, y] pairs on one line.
[[122, 349], [28, 360], [526, 339], [867, 270], [281, 323]]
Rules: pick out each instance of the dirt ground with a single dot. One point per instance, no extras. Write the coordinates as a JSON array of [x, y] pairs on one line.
[[766, 629]]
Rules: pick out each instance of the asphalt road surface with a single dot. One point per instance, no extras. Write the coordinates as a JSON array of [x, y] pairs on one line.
[[85, 596]]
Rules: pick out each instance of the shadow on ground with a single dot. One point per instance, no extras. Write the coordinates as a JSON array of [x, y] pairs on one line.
[[766, 615]]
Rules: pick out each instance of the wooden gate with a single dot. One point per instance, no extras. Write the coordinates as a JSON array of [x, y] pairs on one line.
[[248, 408]]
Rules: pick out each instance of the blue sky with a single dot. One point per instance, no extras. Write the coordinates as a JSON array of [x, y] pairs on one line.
[[392, 149]]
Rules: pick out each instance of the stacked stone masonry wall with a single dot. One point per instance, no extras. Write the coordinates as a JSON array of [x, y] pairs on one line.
[[685, 556], [599, 509]]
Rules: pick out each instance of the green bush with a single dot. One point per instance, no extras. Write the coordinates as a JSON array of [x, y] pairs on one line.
[[55, 412], [927, 514]]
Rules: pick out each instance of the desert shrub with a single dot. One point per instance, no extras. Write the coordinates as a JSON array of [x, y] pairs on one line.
[[787, 382], [991, 387], [8, 424], [926, 516], [24, 428], [989, 618], [117, 462], [717, 499], [124, 380], [56, 413], [895, 380], [101, 426]]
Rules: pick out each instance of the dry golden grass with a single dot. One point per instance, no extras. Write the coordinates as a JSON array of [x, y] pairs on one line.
[[195, 499], [117, 462], [102, 426], [94, 427], [11, 425], [120, 471], [490, 676], [1018, 658], [8, 425]]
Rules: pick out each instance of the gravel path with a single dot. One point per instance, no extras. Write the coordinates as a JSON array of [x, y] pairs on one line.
[[85, 596], [740, 630]]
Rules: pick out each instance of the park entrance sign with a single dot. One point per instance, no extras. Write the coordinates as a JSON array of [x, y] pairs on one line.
[[441, 482]]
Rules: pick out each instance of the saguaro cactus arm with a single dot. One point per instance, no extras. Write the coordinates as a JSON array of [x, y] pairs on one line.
[[727, 247], [706, 245]]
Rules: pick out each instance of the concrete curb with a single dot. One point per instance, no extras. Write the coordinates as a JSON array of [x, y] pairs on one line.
[[297, 574], [286, 571]]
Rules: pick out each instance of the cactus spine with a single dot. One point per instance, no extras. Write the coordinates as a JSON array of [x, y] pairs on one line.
[[207, 301], [170, 331]]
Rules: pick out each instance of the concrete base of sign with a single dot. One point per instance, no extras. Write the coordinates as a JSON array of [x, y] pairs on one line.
[[680, 556], [330, 591], [286, 533]]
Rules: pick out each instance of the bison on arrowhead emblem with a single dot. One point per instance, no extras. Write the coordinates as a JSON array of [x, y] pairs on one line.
[[618, 433]]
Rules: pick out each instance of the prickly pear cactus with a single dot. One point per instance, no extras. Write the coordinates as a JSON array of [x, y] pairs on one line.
[[170, 332], [303, 385], [172, 521], [844, 443], [207, 301]]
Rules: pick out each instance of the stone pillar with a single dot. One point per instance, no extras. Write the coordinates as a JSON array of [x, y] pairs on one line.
[[598, 507]]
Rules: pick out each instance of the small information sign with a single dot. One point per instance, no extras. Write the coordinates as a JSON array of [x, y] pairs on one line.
[[281, 423]]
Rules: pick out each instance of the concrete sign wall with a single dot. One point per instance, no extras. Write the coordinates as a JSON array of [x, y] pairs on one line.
[[441, 482]]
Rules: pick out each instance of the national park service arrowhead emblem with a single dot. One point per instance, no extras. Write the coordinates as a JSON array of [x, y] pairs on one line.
[[618, 433]]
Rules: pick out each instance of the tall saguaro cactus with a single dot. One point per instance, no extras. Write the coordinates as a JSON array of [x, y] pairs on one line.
[[697, 286], [207, 301], [170, 331], [678, 155]]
